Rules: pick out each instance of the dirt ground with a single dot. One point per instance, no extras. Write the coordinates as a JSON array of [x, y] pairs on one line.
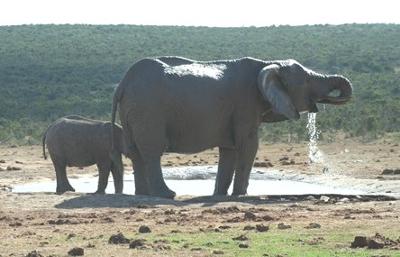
[[54, 224]]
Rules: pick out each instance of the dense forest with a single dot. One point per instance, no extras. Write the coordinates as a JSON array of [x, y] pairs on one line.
[[47, 71]]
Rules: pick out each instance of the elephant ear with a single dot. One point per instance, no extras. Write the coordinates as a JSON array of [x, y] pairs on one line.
[[271, 87]]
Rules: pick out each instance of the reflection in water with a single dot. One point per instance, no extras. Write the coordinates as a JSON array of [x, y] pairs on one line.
[[200, 180]]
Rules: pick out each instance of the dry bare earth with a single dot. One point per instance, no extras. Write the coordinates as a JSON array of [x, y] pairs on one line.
[[54, 224]]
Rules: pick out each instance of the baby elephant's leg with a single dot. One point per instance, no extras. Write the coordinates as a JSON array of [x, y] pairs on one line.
[[104, 172]]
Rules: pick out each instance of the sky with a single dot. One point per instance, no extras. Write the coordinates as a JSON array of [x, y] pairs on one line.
[[213, 13]]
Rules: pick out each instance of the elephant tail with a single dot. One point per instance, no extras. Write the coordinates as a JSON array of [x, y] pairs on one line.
[[116, 98], [44, 143]]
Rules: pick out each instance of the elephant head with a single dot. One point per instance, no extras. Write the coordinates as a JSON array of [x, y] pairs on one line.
[[291, 88]]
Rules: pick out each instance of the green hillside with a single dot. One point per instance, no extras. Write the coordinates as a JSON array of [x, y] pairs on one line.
[[47, 71]]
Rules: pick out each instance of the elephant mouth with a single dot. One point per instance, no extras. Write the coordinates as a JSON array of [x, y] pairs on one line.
[[336, 100], [340, 93]]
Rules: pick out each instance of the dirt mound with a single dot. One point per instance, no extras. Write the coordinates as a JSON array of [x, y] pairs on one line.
[[76, 251], [118, 239], [377, 241]]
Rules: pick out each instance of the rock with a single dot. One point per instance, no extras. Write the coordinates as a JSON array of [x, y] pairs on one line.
[[243, 245], [249, 227], [267, 218], [249, 215], [262, 228], [373, 243], [34, 253], [344, 200], [76, 251], [313, 225], [224, 227], [2, 161], [283, 226], [71, 235], [118, 239], [310, 198], [324, 198], [359, 241], [144, 229], [218, 252], [137, 244], [262, 164], [10, 168], [240, 238]]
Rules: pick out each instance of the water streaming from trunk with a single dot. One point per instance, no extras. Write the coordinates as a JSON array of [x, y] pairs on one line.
[[314, 153]]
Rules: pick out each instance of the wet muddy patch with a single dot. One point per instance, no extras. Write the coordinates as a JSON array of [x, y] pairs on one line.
[[200, 180]]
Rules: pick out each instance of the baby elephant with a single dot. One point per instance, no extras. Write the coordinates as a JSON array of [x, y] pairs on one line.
[[76, 141]]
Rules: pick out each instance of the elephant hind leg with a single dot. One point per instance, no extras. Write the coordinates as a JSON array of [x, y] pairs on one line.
[[63, 184], [141, 180], [150, 140], [104, 172], [117, 172]]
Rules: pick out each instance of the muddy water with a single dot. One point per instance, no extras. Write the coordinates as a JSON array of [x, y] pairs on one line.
[[199, 180]]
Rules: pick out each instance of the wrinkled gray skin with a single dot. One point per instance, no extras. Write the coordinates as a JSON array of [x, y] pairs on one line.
[[174, 104], [76, 141]]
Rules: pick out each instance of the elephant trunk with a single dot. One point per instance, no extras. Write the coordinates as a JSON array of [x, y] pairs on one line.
[[335, 83]]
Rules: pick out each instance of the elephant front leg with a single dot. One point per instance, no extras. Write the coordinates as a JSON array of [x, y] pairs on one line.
[[226, 167], [246, 154]]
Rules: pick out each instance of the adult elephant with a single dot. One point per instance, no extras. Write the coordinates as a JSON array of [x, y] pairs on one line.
[[175, 104]]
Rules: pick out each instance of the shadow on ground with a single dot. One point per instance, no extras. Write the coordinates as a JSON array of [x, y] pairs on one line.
[[138, 201]]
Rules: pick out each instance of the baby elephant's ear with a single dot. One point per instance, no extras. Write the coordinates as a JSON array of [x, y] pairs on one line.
[[271, 88]]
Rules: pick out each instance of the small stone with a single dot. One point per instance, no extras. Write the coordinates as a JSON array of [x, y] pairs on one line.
[[359, 241], [262, 228], [313, 225], [249, 227], [324, 198], [144, 229], [34, 253], [2, 161], [224, 227], [10, 168], [240, 238], [118, 239], [242, 245], [76, 251], [249, 215], [283, 226], [218, 252], [344, 200], [137, 243], [71, 235], [375, 244], [310, 198]]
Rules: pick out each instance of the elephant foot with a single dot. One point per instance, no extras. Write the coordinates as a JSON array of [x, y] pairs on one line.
[[165, 194], [62, 190], [100, 192]]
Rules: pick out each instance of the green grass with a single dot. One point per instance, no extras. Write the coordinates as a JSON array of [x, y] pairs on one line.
[[271, 243]]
